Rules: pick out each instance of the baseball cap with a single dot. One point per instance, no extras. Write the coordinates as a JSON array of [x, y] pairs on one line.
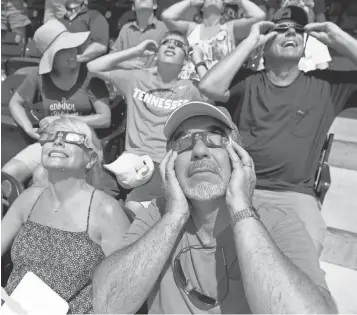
[[291, 13], [131, 170], [196, 108]]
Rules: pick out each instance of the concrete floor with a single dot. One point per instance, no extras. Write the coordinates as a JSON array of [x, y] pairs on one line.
[[343, 287], [340, 212]]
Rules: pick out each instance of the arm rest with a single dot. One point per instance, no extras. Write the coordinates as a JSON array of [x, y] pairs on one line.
[[114, 144], [116, 134], [10, 190], [323, 177]]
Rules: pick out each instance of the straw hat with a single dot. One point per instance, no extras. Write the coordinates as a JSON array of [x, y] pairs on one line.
[[52, 37]]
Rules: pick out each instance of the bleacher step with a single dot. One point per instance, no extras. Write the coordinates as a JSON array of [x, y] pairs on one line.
[[340, 248], [343, 155], [340, 206]]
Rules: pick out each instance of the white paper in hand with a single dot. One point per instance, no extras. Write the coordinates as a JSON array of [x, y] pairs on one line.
[[33, 296]]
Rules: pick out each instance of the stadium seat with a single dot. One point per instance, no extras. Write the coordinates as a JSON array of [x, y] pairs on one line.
[[10, 190], [12, 45], [31, 50]]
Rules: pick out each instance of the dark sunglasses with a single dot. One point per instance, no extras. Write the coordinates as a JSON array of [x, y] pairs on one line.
[[198, 299], [65, 136], [176, 43], [284, 27], [209, 138]]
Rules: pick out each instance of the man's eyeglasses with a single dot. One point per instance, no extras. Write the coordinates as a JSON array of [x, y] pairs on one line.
[[284, 27], [66, 136], [209, 138], [73, 7], [176, 43], [198, 299]]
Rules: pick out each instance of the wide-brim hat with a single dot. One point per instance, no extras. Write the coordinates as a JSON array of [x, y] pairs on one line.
[[291, 13], [196, 108], [52, 37]]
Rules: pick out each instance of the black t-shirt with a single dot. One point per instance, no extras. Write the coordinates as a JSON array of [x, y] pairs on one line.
[[78, 100], [284, 128]]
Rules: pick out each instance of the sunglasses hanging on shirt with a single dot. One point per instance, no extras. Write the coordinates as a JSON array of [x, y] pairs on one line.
[[198, 299]]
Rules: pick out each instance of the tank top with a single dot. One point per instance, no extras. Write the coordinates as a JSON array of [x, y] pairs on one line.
[[214, 49], [63, 260]]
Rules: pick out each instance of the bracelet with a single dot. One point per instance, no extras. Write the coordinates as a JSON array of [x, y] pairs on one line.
[[198, 64]]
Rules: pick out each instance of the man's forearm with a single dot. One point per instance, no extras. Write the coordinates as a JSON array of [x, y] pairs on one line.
[[251, 10], [347, 46], [93, 51], [123, 281], [217, 81], [110, 61], [272, 283], [175, 12]]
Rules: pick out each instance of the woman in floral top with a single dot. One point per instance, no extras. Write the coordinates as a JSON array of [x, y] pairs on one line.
[[215, 37]]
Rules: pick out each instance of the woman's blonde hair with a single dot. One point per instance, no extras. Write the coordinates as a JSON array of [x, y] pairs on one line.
[[92, 142]]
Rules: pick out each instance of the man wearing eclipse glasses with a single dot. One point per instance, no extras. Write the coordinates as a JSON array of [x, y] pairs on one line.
[[151, 97], [284, 114], [203, 247]]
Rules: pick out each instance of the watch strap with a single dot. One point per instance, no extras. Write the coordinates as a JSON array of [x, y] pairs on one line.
[[249, 212], [198, 64]]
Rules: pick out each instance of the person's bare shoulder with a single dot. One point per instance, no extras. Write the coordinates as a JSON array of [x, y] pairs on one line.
[[105, 207], [26, 201]]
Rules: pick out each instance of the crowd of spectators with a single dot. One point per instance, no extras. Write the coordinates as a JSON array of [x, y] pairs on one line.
[[228, 104]]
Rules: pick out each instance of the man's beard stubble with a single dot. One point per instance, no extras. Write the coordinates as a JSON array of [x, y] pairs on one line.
[[204, 191]]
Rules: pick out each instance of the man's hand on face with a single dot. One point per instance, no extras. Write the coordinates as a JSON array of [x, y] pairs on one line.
[[242, 183], [258, 33], [327, 32], [176, 201], [147, 47], [81, 58], [60, 11]]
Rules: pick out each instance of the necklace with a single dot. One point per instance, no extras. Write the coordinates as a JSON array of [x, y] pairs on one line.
[[72, 194]]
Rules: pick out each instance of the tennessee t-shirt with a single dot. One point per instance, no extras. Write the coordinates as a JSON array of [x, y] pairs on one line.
[[149, 103], [284, 128], [205, 267], [76, 101]]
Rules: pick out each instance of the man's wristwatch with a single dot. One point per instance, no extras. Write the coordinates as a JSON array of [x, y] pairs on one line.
[[250, 212], [198, 64]]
